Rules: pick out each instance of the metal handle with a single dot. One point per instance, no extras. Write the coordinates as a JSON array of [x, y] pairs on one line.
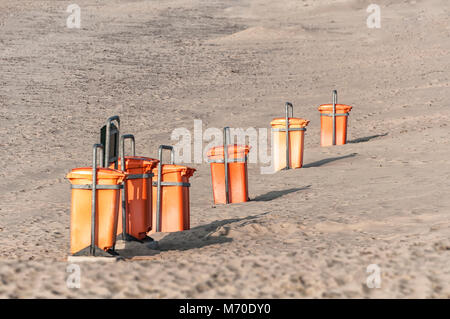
[[94, 195], [166, 147], [122, 148], [107, 138], [158, 182], [288, 149], [334, 116], [226, 139], [288, 106]]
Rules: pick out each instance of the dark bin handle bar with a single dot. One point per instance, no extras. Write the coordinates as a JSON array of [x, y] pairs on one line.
[[288, 106], [107, 138], [124, 137], [94, 195], [158, 183], [334, 116], [226, 140]]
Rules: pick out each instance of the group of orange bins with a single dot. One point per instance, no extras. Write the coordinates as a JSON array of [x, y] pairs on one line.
[[131, 197]]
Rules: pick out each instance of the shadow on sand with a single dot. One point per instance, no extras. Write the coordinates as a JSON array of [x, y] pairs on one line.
[[197, 237], [328, 160], [275, 194], [367, 138]]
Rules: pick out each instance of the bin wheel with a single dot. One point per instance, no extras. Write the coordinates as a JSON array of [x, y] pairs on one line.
[[147, 239], [112, 252]]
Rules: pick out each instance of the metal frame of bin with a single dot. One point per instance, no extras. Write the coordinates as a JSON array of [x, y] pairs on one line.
[[160, 183], [125, 236], [288, 105], [226, 138], [94, 250], [333, 115]]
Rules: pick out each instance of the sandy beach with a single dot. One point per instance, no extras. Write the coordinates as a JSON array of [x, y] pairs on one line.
[[306, 233]]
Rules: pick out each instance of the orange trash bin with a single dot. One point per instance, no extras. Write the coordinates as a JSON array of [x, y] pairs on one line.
[[136, 194], [171, 205], [333, 129], [230, 179], [94, 209], [295, 139]]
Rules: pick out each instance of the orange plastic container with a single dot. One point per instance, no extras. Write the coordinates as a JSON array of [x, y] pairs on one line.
[[138, 196], [107, 208], [296, 142], [175, 207], [237, 173], [326, 124]]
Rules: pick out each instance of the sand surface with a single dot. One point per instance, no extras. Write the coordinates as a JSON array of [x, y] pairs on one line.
[[381, 199]]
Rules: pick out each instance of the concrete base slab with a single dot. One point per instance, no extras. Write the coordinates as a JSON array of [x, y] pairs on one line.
[[78, 259]]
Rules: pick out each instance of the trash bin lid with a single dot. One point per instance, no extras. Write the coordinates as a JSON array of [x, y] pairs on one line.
[[138, 162], [172, 168], [234, 151], [339, 107], [102, 173], [281, 122]]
